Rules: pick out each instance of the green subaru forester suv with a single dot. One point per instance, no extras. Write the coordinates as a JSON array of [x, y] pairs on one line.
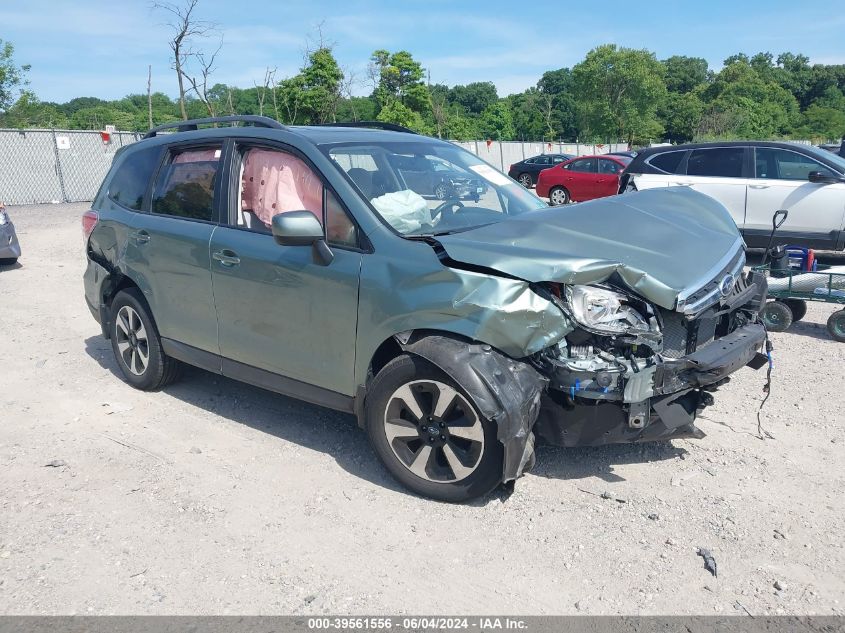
[[318, 262]]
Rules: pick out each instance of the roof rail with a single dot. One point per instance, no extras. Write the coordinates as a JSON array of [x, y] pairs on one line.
[[192, 124], [381, 125]]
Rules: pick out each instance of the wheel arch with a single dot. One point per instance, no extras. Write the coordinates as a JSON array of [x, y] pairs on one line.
[[505, 390]]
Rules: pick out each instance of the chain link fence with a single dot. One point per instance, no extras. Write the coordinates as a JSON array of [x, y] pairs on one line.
[[38, 166]]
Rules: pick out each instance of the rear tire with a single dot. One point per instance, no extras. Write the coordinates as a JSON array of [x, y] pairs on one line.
[[8, 261], [136, 343], [777, 316], [836, 325], [428, 433], [526, 181], [558, 196], [798, 307]]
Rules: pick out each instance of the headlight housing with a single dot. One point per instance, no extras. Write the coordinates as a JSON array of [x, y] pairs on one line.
[[604, 311]]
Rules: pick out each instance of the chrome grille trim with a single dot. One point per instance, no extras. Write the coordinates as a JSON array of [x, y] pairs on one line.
[[690, 303]]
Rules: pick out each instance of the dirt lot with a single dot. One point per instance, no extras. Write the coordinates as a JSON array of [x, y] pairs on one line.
[[213, 497]]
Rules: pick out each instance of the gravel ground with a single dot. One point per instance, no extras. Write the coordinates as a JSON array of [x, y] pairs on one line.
[[214, 497]]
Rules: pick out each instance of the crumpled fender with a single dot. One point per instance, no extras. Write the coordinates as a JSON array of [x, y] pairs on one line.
[[505, 390]]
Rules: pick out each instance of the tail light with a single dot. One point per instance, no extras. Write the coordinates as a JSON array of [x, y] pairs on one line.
[[510, 168], [89, 221]]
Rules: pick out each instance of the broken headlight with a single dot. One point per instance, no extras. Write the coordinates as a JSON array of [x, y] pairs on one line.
[[604, 311]]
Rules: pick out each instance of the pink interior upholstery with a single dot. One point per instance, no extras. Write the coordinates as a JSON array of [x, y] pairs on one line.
[[275, 182], [197, 156]]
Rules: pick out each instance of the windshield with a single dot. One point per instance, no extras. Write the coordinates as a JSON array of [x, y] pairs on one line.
[[429, 187]]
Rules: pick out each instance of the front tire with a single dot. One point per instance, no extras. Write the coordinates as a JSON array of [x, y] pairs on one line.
[[428, 433], [8, 261], [441, 191], [836, 326], [559, 196], [777, 316], [136, 344]]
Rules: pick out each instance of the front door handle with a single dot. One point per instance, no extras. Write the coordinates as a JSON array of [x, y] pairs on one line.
[[227, 258], [759, 186], [142, 237]]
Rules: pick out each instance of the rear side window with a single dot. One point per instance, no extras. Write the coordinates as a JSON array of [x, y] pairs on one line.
[[670, 162], [585, 165], [185, 185], [723, 162], [129, 183]]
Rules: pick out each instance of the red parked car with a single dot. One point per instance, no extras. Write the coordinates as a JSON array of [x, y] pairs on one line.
[[582, 178]]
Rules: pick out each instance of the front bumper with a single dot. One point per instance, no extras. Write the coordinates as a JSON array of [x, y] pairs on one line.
[[10, 248], [677, 391]]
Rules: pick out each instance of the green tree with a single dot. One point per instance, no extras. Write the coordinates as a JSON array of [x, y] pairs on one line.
[[396, 112], [619, 91], [685, 73], [681, 114], [29, 112], [474, 97], [399, 77], [496, 122], [822, 123], [12, 76]]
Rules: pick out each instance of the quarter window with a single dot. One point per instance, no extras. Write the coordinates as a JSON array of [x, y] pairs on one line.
[[185, 186], [670, 162], [129, 183], [782, 164], [723, 162]]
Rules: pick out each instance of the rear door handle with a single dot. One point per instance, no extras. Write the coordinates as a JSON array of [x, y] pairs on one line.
[[142, 237], [227, 258], [759, 186]]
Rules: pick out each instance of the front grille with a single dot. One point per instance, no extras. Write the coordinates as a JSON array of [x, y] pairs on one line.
[[682, 337]]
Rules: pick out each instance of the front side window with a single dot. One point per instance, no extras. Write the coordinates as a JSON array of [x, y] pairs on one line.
[[782, 164], [722, 162], [185, 185], [541, 160], [429, 187], [129, 184], [274, 182]]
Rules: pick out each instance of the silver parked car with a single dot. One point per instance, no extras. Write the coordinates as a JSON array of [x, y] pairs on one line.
[[10, 249]]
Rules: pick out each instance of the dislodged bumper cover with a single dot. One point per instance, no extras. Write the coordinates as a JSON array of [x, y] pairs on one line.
[[658, 242], [506, 391]]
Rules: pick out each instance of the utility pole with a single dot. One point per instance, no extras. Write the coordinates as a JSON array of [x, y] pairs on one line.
[[150, 94]]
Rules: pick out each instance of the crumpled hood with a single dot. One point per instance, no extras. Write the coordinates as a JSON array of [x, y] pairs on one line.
[[659, 241]]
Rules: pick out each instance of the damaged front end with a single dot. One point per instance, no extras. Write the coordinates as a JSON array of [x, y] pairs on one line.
[[634, 372]]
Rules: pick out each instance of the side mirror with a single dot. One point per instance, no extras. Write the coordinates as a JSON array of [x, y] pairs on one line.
[[824, 178], [296, 228], [302, 228]]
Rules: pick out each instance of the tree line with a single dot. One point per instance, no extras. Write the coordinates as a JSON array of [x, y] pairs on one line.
[[614, 93]]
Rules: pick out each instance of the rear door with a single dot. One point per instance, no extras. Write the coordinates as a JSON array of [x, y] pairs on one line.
[[168, 247], [539, 164], [607, 178], [279, 310], [816, 211], [719, 172]]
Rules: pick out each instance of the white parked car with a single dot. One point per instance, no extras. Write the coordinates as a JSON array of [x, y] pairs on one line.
[[753, 179]]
